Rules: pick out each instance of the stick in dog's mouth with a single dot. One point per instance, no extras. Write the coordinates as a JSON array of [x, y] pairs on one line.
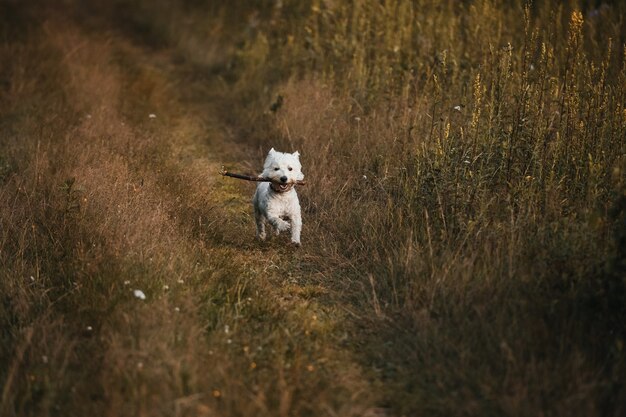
[[225, 173]]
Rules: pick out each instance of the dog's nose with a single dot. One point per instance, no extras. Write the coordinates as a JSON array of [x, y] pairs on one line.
[[283, 179]]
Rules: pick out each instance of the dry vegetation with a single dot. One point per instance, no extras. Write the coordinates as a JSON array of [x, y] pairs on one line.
[[465, 209]]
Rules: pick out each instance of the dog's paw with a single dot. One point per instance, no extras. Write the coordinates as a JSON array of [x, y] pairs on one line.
[[282, 226], [295, 244]]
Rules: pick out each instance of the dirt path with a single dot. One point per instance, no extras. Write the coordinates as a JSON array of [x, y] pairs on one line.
[[160, 301]]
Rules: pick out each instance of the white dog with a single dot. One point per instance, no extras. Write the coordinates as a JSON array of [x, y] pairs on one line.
[[277, 201]]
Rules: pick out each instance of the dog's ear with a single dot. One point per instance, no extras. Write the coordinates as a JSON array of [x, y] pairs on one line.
[[296, 154], [271, 152]]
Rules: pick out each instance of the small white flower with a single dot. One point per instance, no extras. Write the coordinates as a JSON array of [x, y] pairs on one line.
[[166, 287], [176, 309], [229, 341], [32, 278], [139, 294], [467, 161], [457, 108], [127, 282], [152, 116], [358, 119], [89, 328], [226, 329], [181, 281], [364, 177]]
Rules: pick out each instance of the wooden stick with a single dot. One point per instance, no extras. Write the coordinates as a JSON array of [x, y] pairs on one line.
[[225, 173]]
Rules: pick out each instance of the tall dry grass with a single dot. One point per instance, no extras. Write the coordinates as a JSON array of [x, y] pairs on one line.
[[78, 198], [467, 166], [464, 212]]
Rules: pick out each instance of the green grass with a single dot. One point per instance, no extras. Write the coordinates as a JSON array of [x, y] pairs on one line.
[[463, 246]]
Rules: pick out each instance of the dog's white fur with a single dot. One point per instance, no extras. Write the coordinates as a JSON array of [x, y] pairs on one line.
[[276, 201]]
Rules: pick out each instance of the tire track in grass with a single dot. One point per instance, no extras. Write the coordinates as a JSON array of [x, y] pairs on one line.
[[280, 341]]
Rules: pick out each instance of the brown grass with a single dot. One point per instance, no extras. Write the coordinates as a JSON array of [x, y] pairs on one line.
[[464, 209]]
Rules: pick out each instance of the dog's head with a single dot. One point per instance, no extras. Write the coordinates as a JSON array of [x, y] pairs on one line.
[[283, 168]]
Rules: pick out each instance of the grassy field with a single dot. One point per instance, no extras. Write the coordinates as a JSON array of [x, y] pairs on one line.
[[464, 241]]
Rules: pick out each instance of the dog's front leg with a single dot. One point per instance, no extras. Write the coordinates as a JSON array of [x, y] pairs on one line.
[[296, 228]]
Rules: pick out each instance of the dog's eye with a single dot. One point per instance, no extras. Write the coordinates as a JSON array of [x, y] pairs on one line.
[[276, 169], [290, 168]]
